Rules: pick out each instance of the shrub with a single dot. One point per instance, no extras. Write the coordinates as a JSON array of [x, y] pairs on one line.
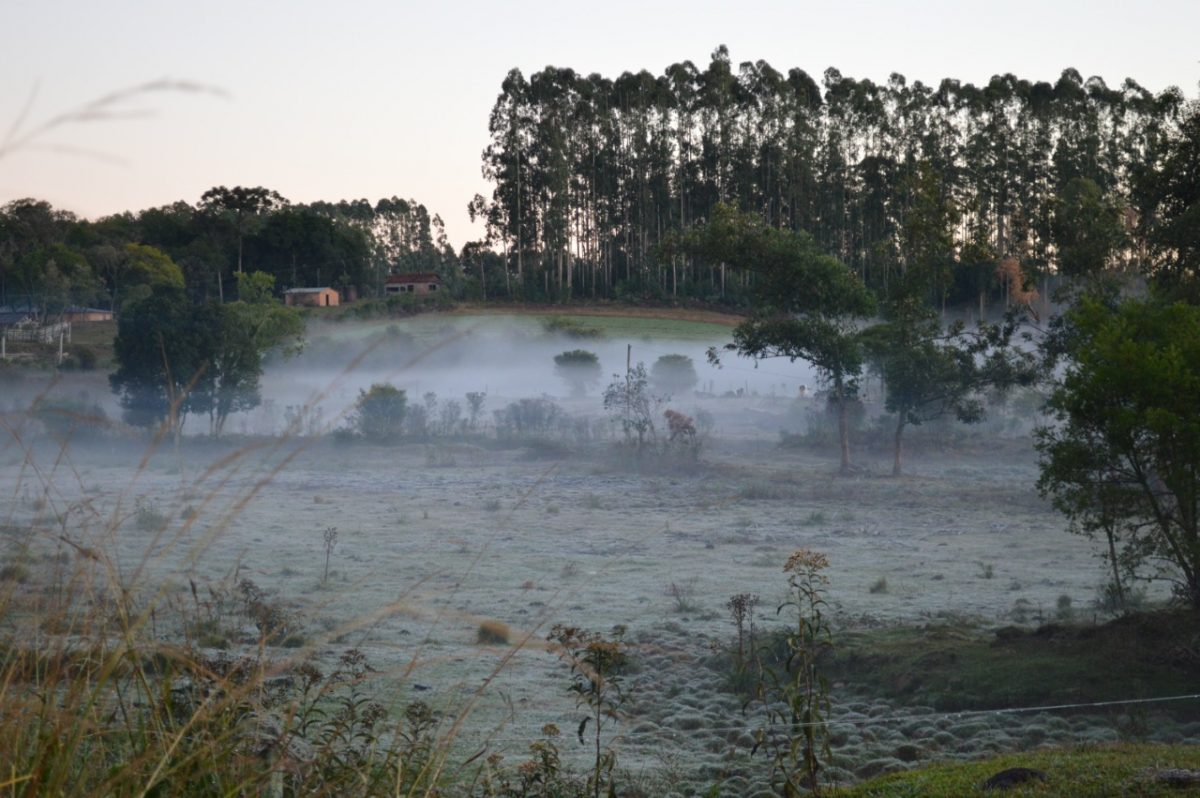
[[579, 368], [494, 633], [529, 417], [83, 356], [147, 518], [379, 412], [70, 419], [572, 328], [673, 374]]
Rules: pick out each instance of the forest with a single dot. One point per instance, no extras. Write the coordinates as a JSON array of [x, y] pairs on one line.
[[50, 259], [595, 178]]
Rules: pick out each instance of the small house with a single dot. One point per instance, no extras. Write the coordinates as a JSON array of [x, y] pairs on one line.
[[312, 297], [417, 283]]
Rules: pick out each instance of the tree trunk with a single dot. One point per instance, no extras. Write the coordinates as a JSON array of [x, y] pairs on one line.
[[896, 461], [843, 428], [1112, 558]]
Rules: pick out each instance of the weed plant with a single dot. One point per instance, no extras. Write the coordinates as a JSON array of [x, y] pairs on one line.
[[597, 663]]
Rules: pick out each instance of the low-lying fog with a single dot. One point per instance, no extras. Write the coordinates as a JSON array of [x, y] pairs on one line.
[[505, 357]]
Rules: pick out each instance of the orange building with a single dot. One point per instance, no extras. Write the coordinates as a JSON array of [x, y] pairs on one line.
[[313, 297]]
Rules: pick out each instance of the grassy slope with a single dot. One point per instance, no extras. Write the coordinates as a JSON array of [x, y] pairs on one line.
[[953, 668], [614, 323], [1117, 770]]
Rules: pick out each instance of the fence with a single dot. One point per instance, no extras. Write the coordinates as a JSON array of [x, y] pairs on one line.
[[46, 334]]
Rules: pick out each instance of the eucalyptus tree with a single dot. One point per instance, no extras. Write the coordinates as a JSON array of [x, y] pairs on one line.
[[506, 163], [1176, 205], [597, 179]]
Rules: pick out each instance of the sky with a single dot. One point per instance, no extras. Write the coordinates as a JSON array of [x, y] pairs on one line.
[[371, 99]]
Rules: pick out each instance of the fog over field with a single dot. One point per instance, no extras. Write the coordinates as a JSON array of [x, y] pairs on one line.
[[506, 357], [442, 532]]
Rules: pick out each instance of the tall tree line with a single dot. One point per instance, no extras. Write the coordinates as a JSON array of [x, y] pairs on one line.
[[596, 179]]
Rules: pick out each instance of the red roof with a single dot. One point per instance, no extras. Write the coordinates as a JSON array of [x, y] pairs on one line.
[[420, 277]]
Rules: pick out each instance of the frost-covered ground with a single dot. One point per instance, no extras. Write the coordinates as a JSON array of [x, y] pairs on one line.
[[426, 552], [435, 537]]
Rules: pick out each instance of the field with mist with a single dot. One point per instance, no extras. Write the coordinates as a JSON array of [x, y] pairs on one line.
[[447, 556]]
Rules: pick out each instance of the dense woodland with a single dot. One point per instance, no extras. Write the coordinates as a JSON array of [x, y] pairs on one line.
[[989, 190], [51, 259], [595, 178]]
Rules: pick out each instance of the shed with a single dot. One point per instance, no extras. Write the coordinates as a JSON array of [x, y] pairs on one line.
[[314, 297], [414, 283]]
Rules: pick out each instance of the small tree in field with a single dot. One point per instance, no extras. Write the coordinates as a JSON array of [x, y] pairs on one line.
[[931, 371], [379, 412], [579, 368], [628, 400], [1123, 457], [812, 305], [673, 374]]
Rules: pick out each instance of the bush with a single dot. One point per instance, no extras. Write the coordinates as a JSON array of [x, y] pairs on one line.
[[82, 356], [579, 369], [529, 417], [492, 633], [70, 418], [379, 412], [673, 374], [572, 328]]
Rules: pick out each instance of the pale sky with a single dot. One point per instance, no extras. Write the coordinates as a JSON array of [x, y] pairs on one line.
[[365, 98]]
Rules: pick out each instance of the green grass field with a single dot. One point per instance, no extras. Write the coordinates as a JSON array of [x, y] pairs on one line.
[[1117, 770], [429, 327]]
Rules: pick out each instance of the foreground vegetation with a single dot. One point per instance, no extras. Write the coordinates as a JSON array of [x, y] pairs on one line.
[[1090, 772], [960, 667]]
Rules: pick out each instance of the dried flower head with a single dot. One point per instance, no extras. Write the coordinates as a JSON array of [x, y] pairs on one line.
[[806, 561]]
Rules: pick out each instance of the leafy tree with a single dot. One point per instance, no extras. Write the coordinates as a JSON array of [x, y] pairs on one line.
[[163, 350], [141, 268], [379, 412], [930, 371], [175, 357], [629, 401], [1176, 209], [673, 374], [1123, 457], [579, 368], [57, 276], [812, 305], [1086, 229], [249, 328]]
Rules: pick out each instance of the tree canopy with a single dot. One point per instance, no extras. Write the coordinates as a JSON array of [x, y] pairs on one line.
[[1123, 456], [593, 177], [811, 306], [176, 357]]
